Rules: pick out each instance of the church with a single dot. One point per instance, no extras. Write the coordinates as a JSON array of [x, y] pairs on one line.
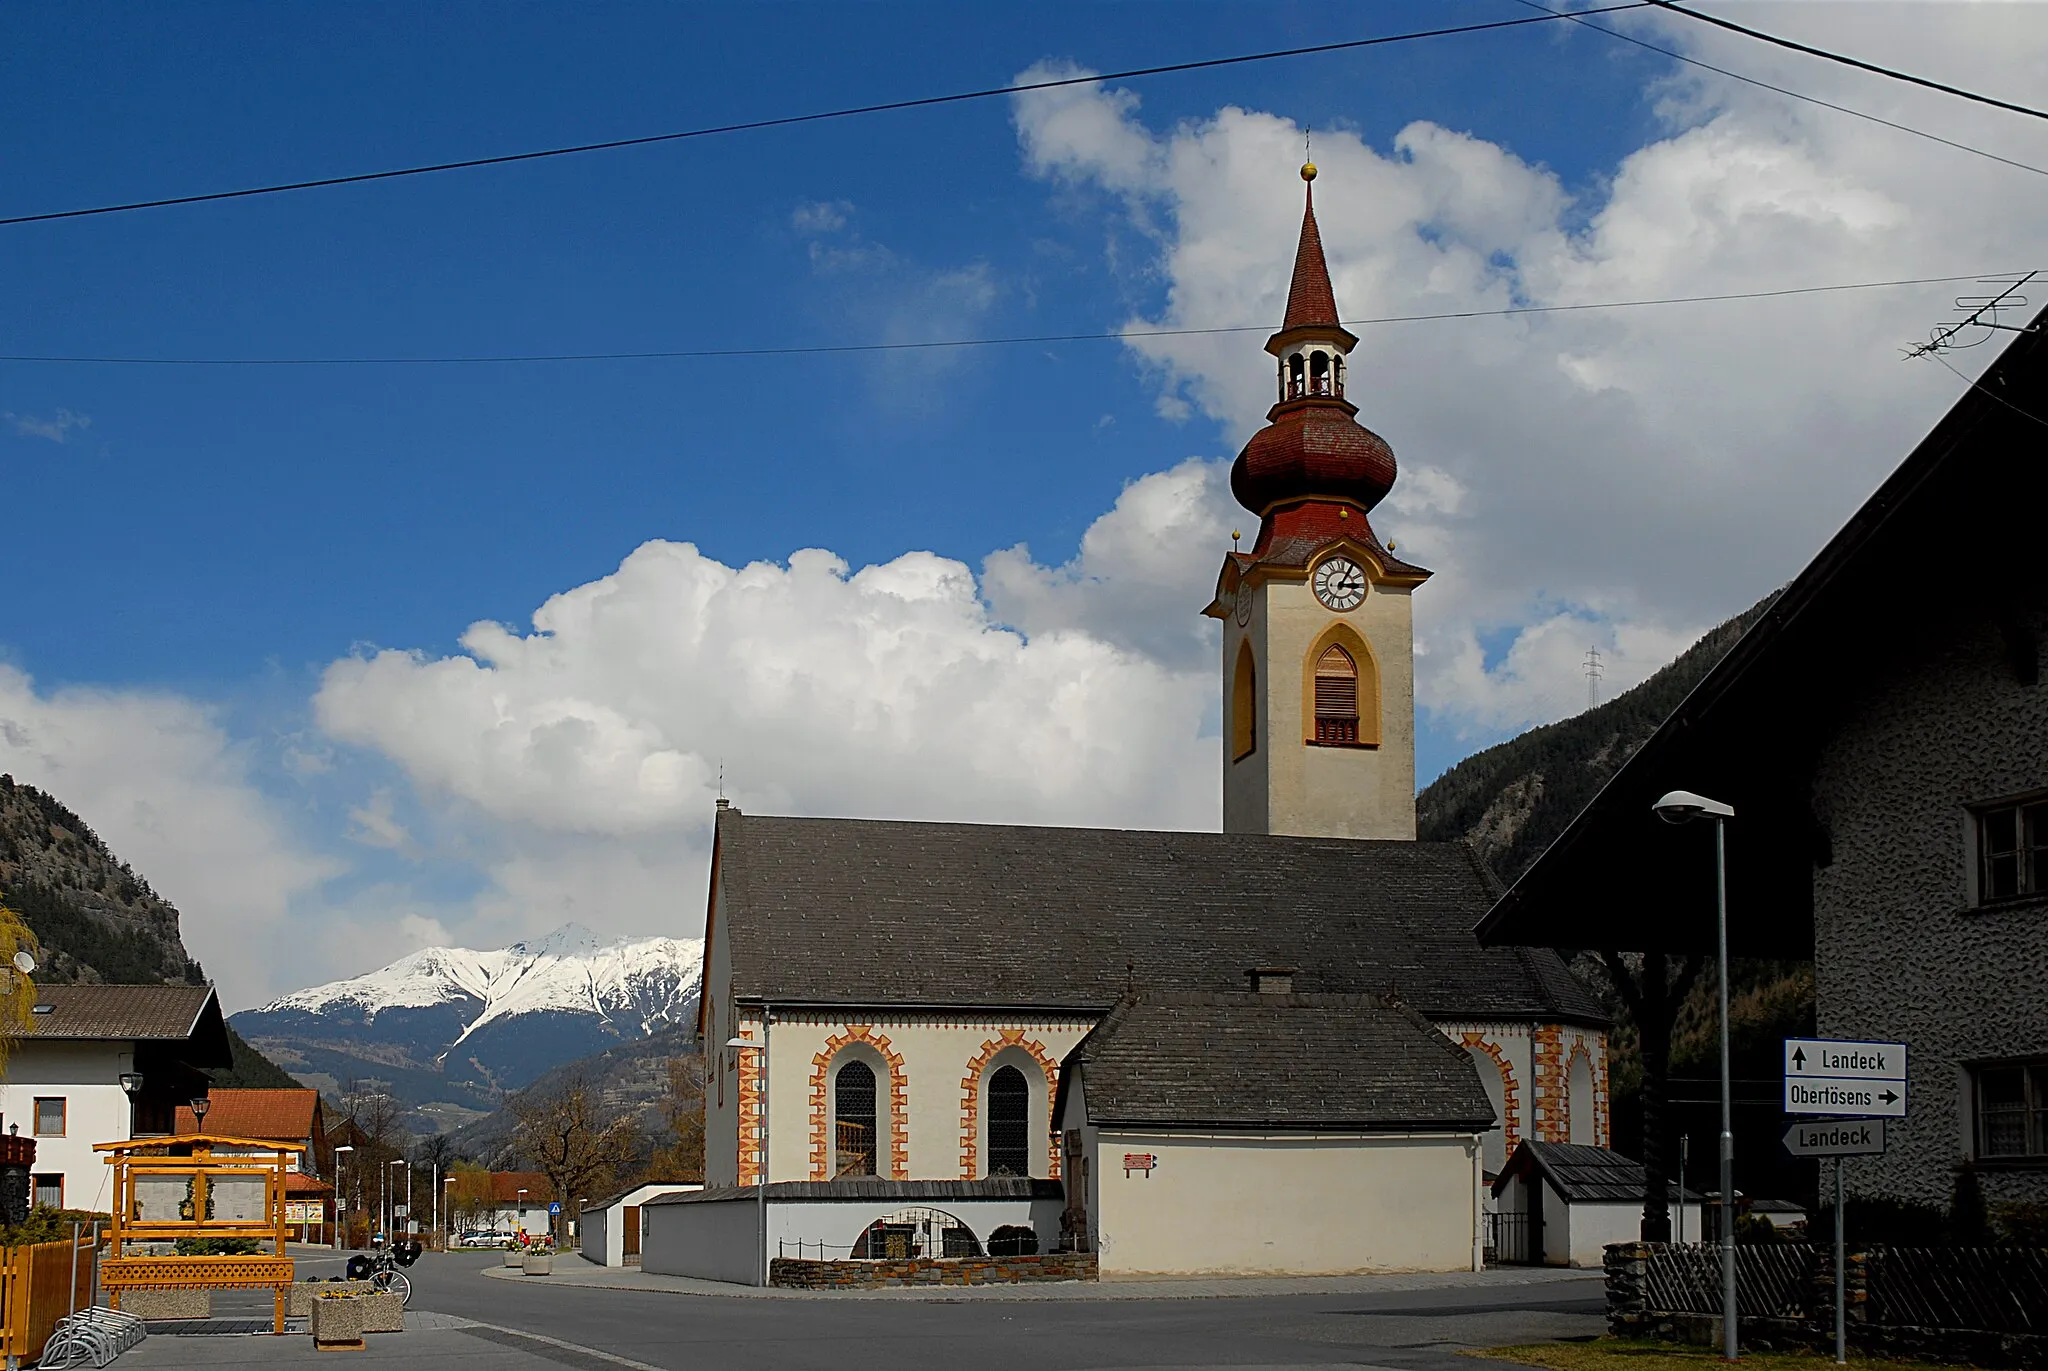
[[1278, 1048]]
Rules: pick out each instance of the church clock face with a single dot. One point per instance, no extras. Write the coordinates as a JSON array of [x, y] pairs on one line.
[[1339, 584], [1244, 603]]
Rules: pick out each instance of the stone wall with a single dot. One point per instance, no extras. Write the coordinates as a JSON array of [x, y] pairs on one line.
[[803, 1274], [1902, 952]]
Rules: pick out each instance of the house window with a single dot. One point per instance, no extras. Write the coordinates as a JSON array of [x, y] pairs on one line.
[[49, 1116], [2012, 1110], [1244, 707], [1336, 697], [853, 1122], [49, 1190], [1009, 1123], [2012, 846]]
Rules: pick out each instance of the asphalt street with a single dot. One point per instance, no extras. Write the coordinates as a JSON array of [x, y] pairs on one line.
[[532, 1324]]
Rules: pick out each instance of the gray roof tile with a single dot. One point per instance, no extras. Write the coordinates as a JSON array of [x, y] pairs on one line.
[[863, 911], [1254, 1060]]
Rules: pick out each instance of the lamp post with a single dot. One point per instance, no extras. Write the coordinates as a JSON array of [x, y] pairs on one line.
[[1678, 807], [200, 1104], [391, 1226], [519, 1224], [445, 1220], [340, 1196]]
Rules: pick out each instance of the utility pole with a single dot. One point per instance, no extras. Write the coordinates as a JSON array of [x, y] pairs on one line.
[[1592, 667]]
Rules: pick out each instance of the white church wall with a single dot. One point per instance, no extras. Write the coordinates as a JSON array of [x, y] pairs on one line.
[[1241, 1204]]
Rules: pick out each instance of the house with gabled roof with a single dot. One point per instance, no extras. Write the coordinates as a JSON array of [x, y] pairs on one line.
[[105, 1063]]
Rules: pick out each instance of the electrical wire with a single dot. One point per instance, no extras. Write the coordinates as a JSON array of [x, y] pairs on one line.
[[833, 348], [786, 121], [1796, 95], [1979, 385], [1847, 61]]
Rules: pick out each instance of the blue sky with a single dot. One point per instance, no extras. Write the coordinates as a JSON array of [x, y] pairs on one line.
[[221, 553]]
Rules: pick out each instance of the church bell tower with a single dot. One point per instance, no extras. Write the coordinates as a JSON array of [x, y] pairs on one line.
[[1318, 659]]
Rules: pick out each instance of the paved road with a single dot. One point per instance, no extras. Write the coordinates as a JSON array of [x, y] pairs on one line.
[[1412, 1330]]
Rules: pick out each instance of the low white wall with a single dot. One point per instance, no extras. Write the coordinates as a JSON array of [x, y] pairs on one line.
[[1280, 1205], [719, 1239]]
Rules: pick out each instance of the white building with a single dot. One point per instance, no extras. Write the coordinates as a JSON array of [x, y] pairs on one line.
[[609, 1229], [1560, 1205], [105, 1063]]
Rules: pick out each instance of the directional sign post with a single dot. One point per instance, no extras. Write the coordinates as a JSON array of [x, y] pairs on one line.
[[1859, 1079], [1826, 1076]]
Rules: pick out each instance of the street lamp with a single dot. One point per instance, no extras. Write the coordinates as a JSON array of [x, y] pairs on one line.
[[761, 1181], [200, 1104], [1679, 807], [445, 1220], [340, 1195]]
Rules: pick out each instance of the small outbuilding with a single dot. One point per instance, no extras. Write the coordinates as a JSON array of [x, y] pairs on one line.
[[610, 1228], [1271, 1133], [1560, 1204]]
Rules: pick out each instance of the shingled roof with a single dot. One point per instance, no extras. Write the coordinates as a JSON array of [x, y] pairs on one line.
[[135, 1013], [873, 912], [1581, 1174], [1323, 1061]]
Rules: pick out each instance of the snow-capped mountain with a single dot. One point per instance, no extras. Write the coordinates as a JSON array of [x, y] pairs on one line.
[[456, 1027]]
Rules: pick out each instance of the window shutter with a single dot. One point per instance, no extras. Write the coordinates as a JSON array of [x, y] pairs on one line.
[[1336, 697]]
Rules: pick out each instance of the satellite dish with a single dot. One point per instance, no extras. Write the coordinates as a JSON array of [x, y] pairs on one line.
[[24, 963]]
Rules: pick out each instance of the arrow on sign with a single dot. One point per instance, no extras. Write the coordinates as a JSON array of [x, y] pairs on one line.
[[1799, 1058], [1888, 1097]]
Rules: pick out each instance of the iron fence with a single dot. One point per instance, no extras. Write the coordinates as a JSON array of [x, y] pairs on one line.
[[1507, 1239], [1772, 1280], [1982, 1289]]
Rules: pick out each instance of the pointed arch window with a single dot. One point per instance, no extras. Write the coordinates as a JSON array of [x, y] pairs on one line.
[[1244, 706], [1009, 1123], [853, 1120], [1336, 697]]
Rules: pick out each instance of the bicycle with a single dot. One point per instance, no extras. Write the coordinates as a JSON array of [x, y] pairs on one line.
[[381, 1269]]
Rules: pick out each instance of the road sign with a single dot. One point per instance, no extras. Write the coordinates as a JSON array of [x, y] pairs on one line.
[[1851, 1060], [1831, 1076], [554, 1206], [1843, 1138]]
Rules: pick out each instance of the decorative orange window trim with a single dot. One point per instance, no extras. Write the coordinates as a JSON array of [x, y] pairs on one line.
[[899, 1101], [1596, 1084], [1550, 1108], [1510, 1091], [750, 1106], [970, 1098]]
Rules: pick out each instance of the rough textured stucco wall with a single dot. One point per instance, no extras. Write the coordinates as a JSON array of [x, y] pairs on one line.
[[1900, 953]]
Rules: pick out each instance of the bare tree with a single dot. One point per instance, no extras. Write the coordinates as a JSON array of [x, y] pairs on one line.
[[575, 1140], [680, 1156]]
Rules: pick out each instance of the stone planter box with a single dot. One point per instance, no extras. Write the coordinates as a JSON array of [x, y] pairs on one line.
[[338, 1322], [515, 1256], [305, 1292], [168, 1304], [540, 1264], [383, 1314]]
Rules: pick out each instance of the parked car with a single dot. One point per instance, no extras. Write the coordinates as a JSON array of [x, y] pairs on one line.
[[485, 1238]]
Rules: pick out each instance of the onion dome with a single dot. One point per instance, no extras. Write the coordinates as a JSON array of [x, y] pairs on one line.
[[1312, 446]]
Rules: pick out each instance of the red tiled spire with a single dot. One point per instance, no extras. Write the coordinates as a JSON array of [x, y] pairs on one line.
[[1309, 297]]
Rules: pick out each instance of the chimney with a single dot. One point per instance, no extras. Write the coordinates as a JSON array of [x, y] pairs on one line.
[[1272, 980]]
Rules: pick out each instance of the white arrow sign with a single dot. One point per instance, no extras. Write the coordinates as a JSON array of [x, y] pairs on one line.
[[1845, 1095], [1844, 1138], [1858, 1061]]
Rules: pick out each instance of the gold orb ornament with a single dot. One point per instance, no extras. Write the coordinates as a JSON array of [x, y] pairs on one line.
[[1308, 171]]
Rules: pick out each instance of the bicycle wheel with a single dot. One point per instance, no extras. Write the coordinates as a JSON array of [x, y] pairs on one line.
[[393, 1283]]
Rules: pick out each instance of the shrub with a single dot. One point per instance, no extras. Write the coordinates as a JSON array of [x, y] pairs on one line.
[[2022, 1223], [48, 1225], [218, 1247]]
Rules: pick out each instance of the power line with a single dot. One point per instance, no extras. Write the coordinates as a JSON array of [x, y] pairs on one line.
[[785, 121], [1781, 90], [830, 348], [1847, 61]]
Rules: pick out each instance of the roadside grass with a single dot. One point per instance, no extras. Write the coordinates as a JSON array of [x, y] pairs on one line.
[[1631, 1354]]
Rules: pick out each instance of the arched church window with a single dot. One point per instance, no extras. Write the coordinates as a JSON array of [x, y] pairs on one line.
[[853, 1120], [1336, 697], [1295, 375], [1244, 707], [1009, 1123], [1319, 373]]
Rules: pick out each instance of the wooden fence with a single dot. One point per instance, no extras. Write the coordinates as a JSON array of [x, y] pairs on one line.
[[36, 1290]]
